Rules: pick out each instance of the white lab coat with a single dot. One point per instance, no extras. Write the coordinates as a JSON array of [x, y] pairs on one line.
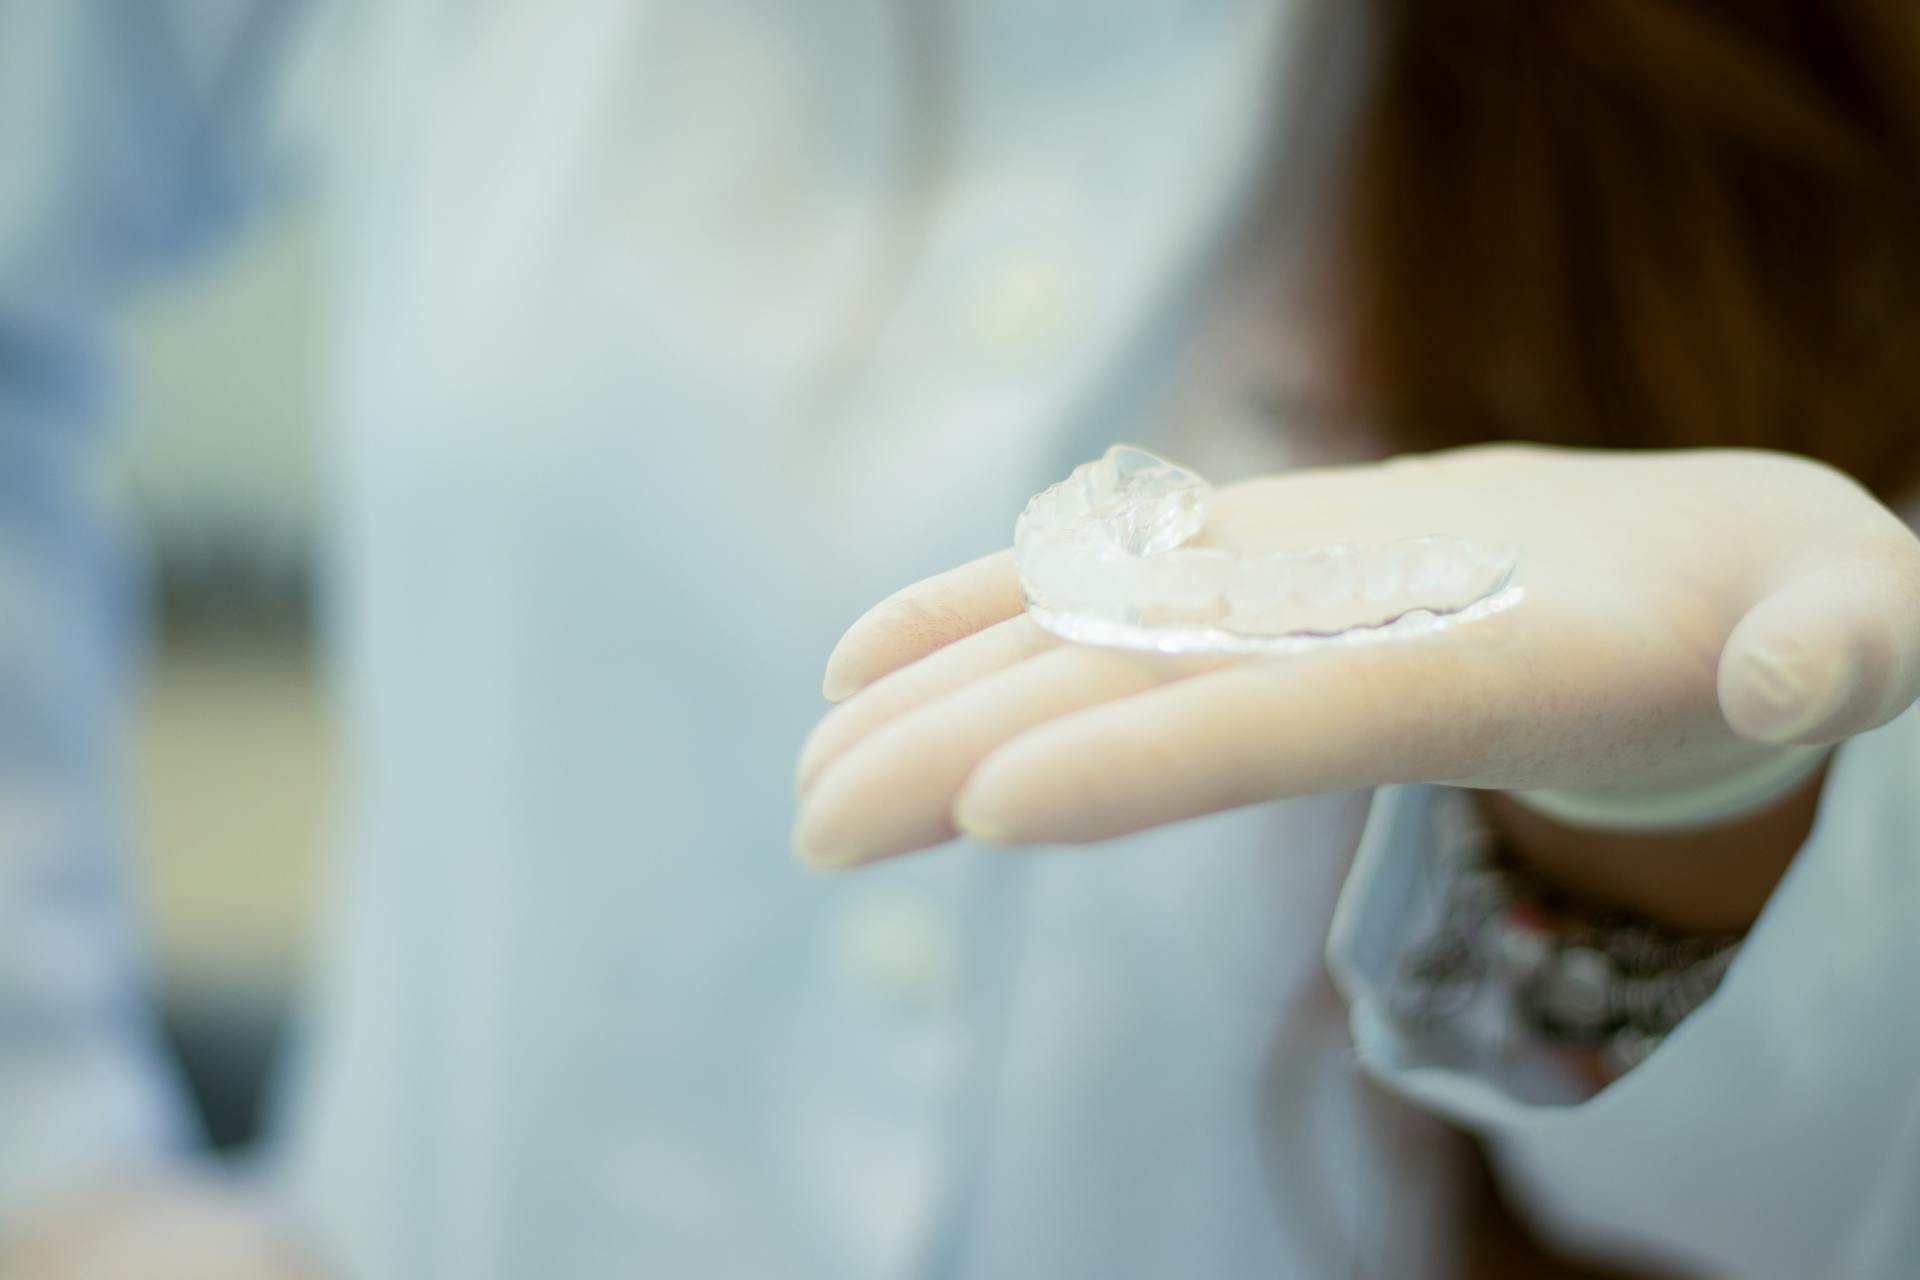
[[1773, 1134], [670, 336]]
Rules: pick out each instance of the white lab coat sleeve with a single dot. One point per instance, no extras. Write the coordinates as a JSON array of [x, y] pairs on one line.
[[1776, 1131], [116, 157]]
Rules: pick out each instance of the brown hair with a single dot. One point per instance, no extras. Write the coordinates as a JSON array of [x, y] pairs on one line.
[[1640, 223]]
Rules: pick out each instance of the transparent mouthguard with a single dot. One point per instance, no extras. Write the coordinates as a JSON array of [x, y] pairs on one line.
[[1104, 559]]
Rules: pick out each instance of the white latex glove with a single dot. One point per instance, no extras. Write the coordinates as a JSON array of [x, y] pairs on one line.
[[1685, 614], [174, 1228]]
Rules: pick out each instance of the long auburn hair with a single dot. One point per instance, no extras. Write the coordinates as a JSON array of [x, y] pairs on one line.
[[1639, 223]]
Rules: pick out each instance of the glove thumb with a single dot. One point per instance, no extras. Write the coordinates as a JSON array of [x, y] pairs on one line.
[[1832, 652]]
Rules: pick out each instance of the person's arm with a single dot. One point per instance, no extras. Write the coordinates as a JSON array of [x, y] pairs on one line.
[[1707, 881], [124, 140]]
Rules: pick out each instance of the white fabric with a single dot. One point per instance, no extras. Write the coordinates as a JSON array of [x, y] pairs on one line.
[[1774, 1133]]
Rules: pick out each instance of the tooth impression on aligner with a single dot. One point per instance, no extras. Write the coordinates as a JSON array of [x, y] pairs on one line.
[[1106, 557]]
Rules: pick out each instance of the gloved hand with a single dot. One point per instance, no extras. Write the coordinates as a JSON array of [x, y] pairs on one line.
[[168, 1228], [1686, 614]]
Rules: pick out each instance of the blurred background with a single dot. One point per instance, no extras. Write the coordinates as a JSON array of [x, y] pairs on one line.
[[233, 755]]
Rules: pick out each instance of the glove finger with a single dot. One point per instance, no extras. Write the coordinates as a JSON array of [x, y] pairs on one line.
[[893, 791], [1833, 652], [919, 619], [956, 666], [1256, 731]]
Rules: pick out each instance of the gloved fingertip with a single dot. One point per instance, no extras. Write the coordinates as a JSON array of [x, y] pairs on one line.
[[837, 685], [983, 826], [818, 847], [856, 662], [993, 806], [885, 637], [1782, 692]]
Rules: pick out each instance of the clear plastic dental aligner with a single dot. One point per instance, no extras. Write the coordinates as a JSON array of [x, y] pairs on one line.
[[1107, 557]]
